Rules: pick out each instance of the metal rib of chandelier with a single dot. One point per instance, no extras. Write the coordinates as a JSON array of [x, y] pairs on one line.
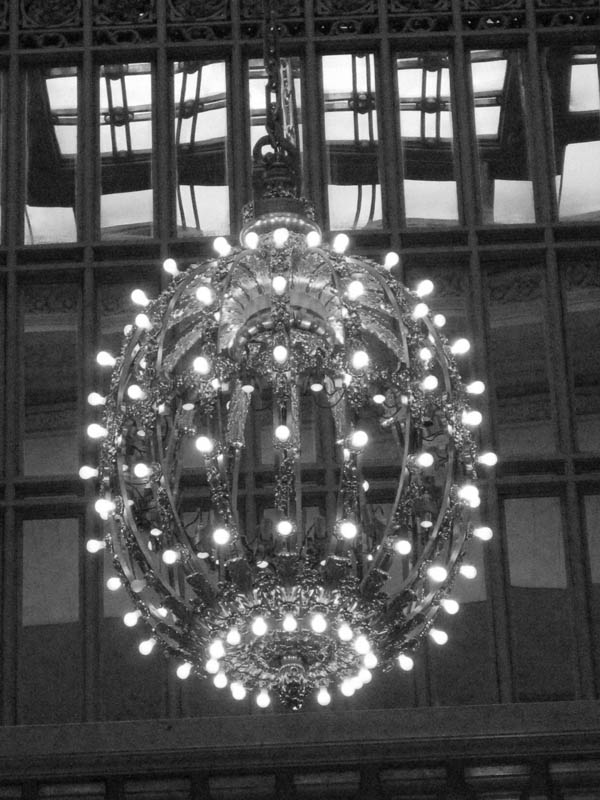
[[288, 327]]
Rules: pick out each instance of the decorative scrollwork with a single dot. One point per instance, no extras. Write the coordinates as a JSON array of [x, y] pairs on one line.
[[254, 9], [197, 10], [404, 6], [492, 5], [330, 8], [115, 12], [49, 13]]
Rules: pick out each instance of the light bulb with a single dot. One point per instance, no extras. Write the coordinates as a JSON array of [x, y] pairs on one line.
[[391, 260], [323, 697], [247, 388], [355, 289], [263, 699], [403, 547], [438, 636], [406, 663], [360, 359], [379, 399], [259, 626], [370, 660], [155, 532], [425, 460], [221, 536], [280, 236], [470, 494], [201, 365], [105, 359], [141, 470], [131, 618], [472, 418], [449, 605], [96, 431], [205, 295], [347, 529], [316, 387], [460, 347], [95, 545], [113, 584], [420, 310], [238, 691], [252, 240], [357, 682], [222, 246], [85, 473], [348, 688], [280, 354], [147, 646], [95, 399], [468, 571], [345, 632], [279, 284], [437, 573], [487, 459], [318, 623], [170, 556], [313, 239], [439, 320], [284, 527], [104, 507], [205, 445], [184, 670], [289, 623], [233, 637], [282, 433], [429, 383], [359, 439], [135, 392], [340, 243], [170, 266], [140, 298], [220, 680], [365, 675], [362, 645], [216, 649], [476, 387], [212, 666], [483, 532], [425, 354], [365, 486], [424, 288], [143, 321]]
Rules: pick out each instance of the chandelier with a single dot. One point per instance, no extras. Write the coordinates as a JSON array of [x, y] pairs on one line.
[[323, 584]]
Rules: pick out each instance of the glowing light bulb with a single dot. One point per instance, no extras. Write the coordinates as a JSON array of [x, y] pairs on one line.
[[313, 239], [205, 295], [340, 243], [406, 663], [201, 365], [247, 388], [472, 418], [468, 571], [105, 359], [184, 670], [449, 605], [95, 399], [318, 623], [424, 288], [370, 660], [147, 646], [143, 321], [155, 532], [460, 347], [476, 387], [221, 536], [425, 354], [280, 236], [379, 399], [216, 649], [205, 445], [252, 240], [282, 433], [355, 289], [360, 359], [131, 618], [403, 547], [212, 666], [365, 675], [391, 260], [437, 573], [438, 636], [140, 298], [95, 545], [439, 320], [170, 556], [429, 383], [358, 440], [259, 626], [347, 529], [279, 284], [289, 623], [238, 691], [280, 354], [470, 494], [316, 387], [487, 459], [483, 532], [362, 645], [263, 699], [113, 584], [222, 246], [220, 680], [425, 460], [104, 507], [323, 697], [345, 632], [284, 527], [85, 473], [170, 266], [365, 486], [135, 392], [95, 431], [420, 310], [348, 688]]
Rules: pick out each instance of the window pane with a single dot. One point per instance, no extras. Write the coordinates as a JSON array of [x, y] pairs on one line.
[[352, 141], [591, 504], [52, 117], [427, 139], [574, 95], [50, 438], [505, 175], [200, 90], [125, 134]]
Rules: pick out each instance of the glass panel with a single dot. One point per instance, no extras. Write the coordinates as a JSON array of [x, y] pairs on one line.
[[427, 140], [505, 175], [518, 350], [200, 90], [574, 95], [540, 608], [581, 284], [50, 439], [352, 141], [591, 506], [125, 110], [52, 117]]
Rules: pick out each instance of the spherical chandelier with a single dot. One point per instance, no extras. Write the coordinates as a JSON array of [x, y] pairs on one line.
[[287, 328]]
